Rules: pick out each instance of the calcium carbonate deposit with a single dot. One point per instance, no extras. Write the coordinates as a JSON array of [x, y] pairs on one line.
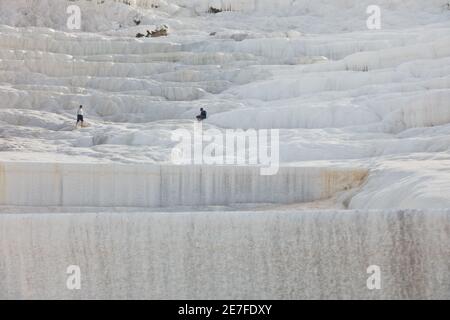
[[352, 99]]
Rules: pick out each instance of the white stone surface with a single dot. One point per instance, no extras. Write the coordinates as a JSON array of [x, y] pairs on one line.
[[344, 98], [340, 94], [272, 255], [140, 185]]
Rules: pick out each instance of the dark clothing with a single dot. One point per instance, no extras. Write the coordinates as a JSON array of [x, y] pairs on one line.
[[202, 115], [80, 118]]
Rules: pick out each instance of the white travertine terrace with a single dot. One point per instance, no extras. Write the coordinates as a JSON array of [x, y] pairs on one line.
[[115, 185], [364, 125], [239, 255]]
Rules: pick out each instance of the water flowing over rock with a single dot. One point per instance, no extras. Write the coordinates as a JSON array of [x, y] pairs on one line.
[[239, 255]]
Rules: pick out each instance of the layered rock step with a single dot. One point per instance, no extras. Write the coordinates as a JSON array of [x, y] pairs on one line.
[[149, 185], [240, 255]]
